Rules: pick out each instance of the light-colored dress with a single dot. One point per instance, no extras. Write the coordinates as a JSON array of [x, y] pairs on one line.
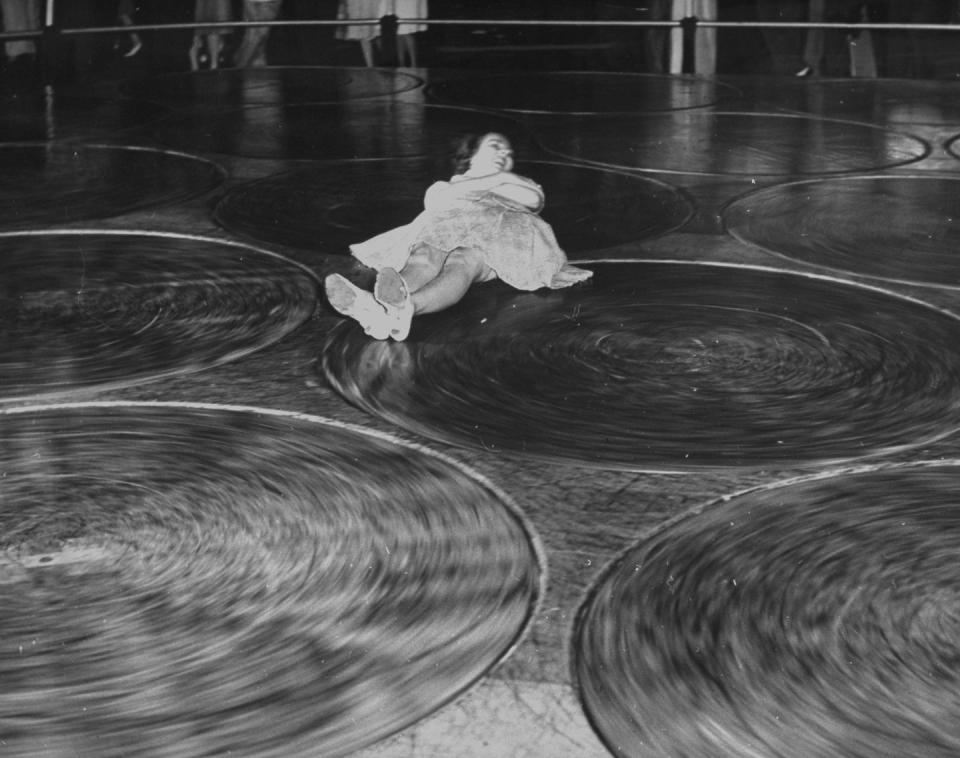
[[409, 9], [350, 9], [213, 11], [705, 41], [515, 242]]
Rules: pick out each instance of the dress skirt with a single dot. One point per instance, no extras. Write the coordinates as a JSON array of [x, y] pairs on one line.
[[514, 242]]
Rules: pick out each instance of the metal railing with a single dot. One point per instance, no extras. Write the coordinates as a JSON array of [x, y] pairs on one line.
[[50, 32]]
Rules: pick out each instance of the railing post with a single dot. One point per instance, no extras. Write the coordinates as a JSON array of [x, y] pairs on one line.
[[388, 39], [688, 27], [48, 53]]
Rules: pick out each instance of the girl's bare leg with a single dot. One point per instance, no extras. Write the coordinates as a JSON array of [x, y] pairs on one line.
[[422, 267], [463, 267], [425, 285], [393, 288]]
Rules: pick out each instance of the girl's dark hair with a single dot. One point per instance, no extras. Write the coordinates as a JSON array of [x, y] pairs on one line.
[[466, 147], [463, 150]]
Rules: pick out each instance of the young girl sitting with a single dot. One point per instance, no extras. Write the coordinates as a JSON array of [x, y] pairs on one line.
[[483, 224]]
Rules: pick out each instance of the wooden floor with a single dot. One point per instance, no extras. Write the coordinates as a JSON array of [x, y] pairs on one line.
[[772, 330]]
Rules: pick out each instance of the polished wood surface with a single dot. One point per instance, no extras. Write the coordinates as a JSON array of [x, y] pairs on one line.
[[355, 129], [868, 225], [37, 116], [582, 92], [55, 182], [265, 86]]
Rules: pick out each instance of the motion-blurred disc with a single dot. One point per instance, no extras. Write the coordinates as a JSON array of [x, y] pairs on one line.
[[953, 146], [721, 143], [811, 620], [355, 129], [88, 310], [200, 580], [328, 207], [667, 366], [54, 183], [579, 92], [252, 86], [897, 228]]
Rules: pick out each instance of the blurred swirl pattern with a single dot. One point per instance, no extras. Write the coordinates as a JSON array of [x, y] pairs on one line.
[[896, 228], [817, 619], [83, 310], [667, 366], [202, 580], [44, 184]]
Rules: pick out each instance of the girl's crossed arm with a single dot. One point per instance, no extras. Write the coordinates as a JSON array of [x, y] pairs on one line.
[[511, 186]]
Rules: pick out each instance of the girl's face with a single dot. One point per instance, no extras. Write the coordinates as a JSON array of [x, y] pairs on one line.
[[493, 155]]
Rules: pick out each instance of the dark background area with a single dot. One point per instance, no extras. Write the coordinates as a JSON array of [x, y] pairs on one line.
[[740, 50]]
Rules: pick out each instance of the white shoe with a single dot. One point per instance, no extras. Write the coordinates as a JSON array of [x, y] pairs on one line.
[[358, 304], [391, 292]]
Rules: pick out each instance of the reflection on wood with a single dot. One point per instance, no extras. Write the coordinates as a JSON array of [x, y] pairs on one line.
[[55, 183], [897, 228]]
